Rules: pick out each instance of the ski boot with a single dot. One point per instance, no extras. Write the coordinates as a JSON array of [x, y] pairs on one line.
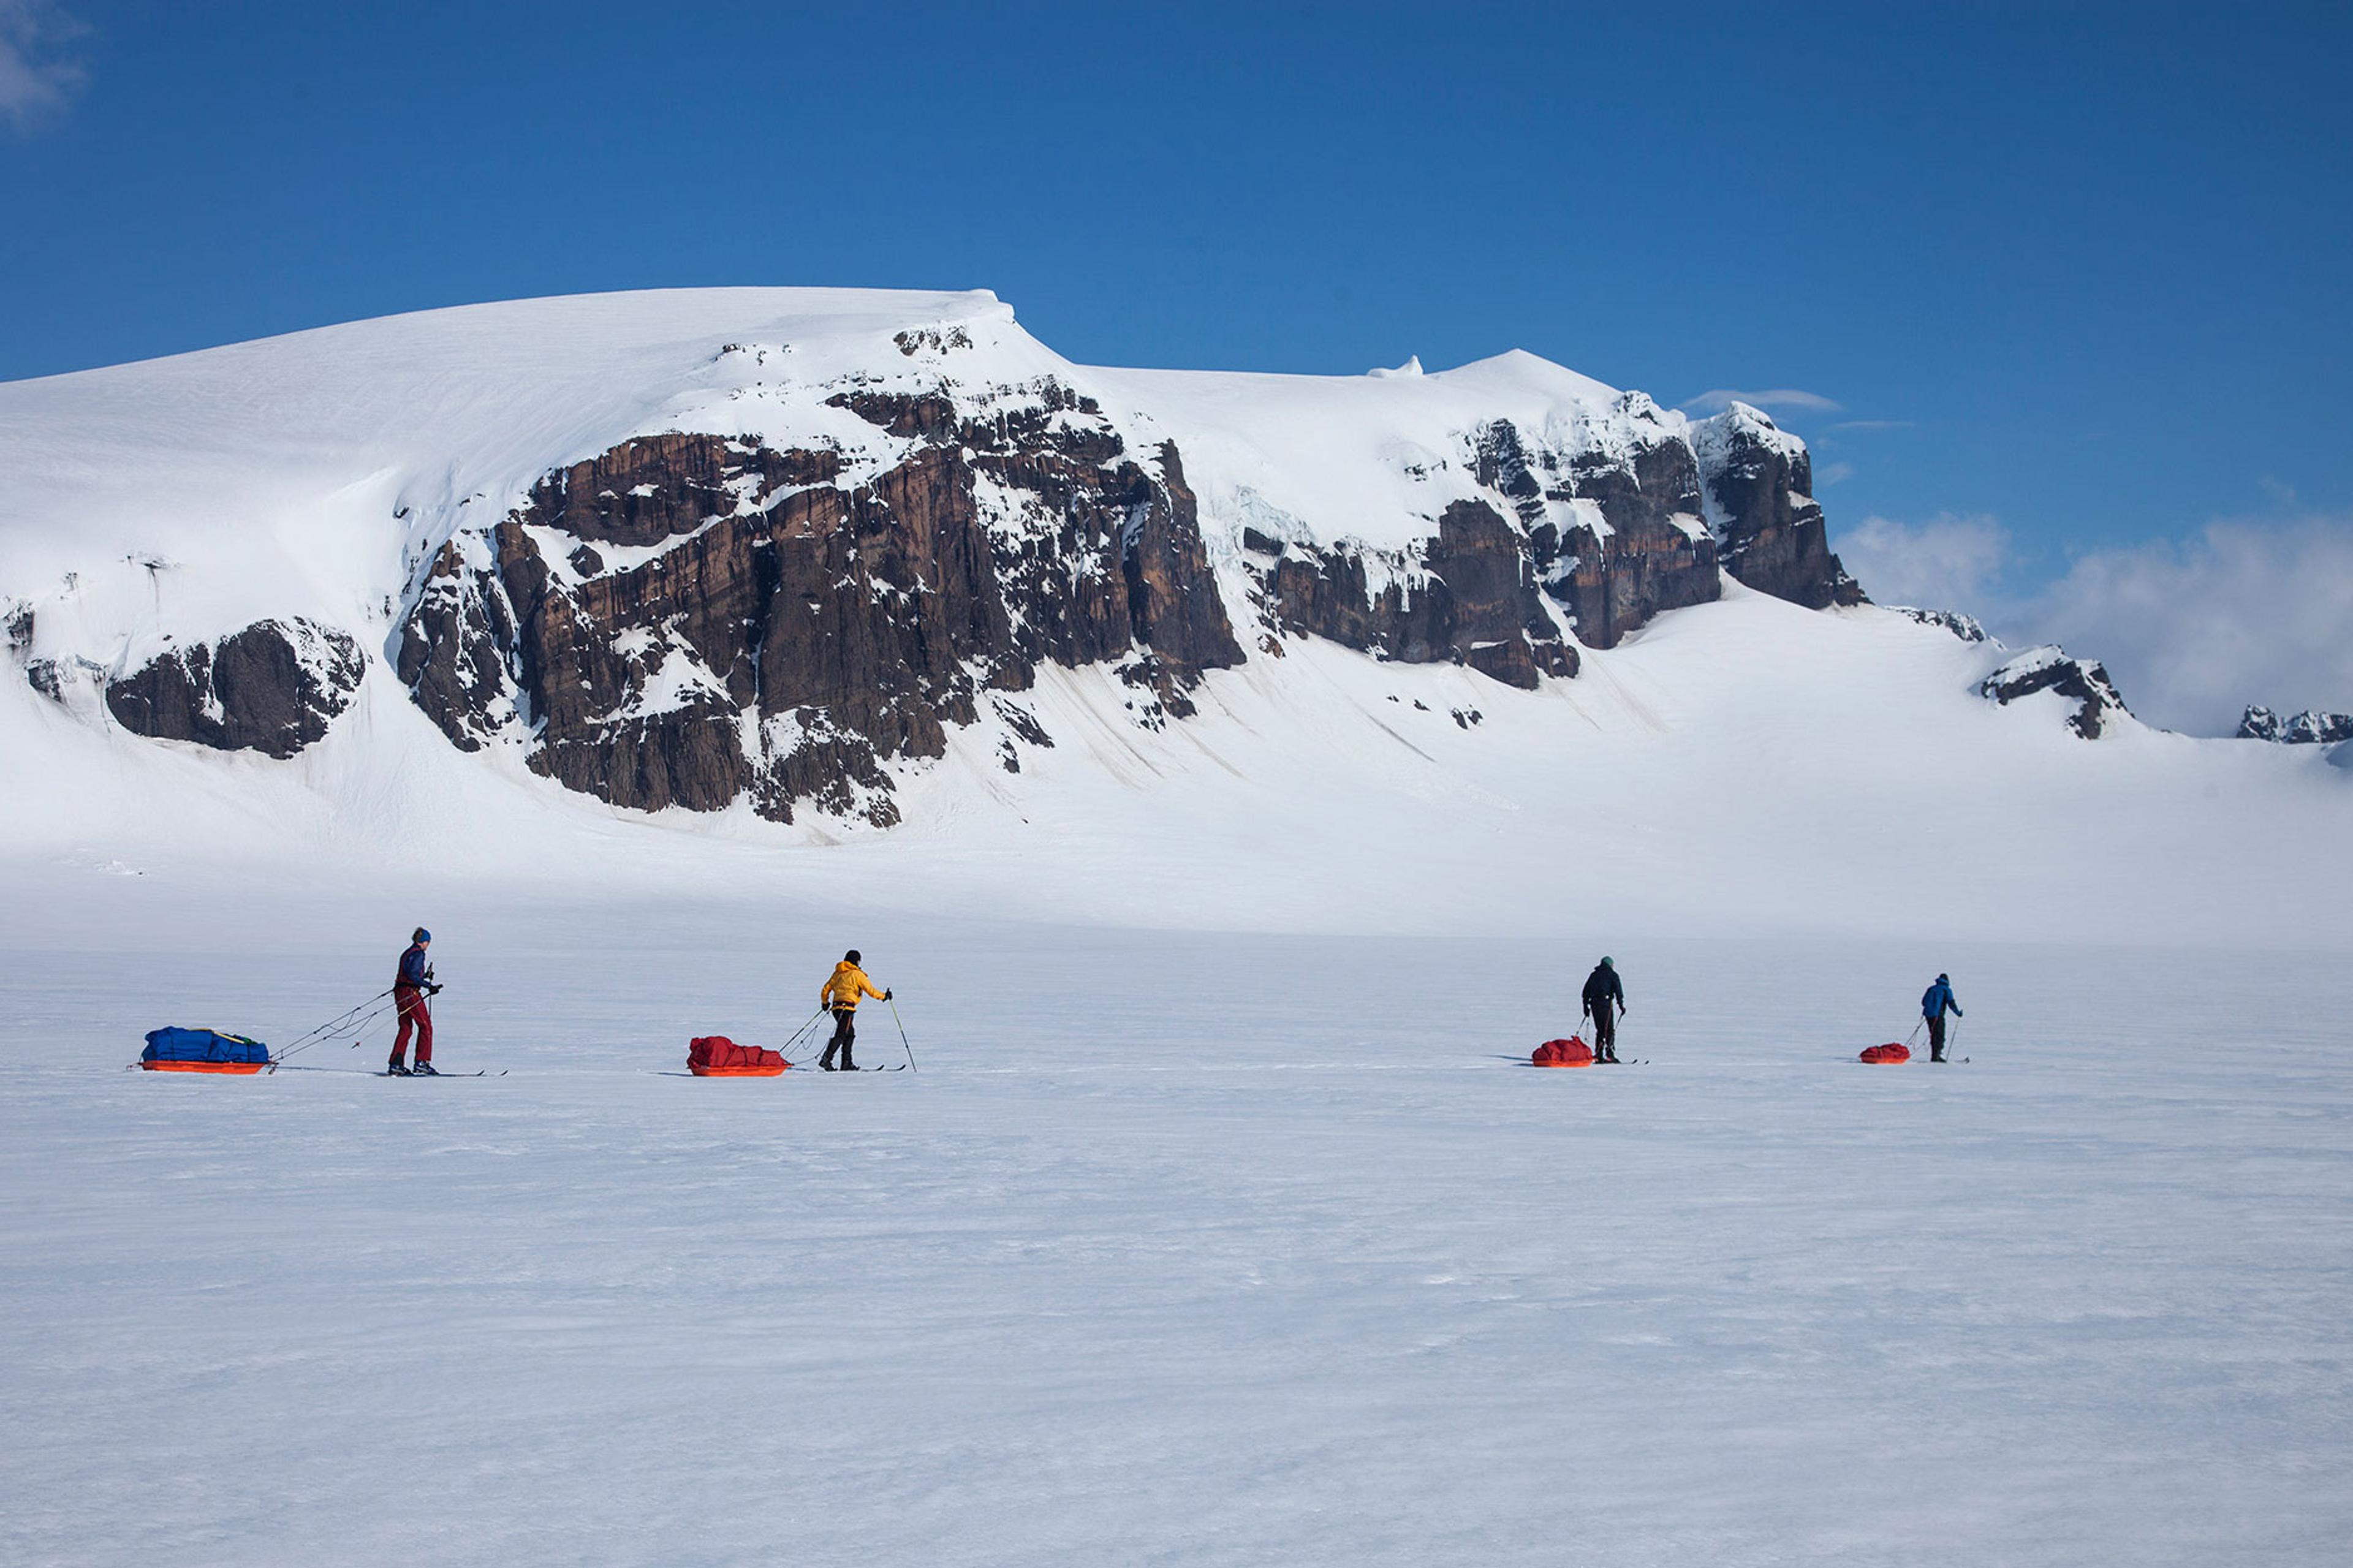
[[397, 1069], [423, 1070]]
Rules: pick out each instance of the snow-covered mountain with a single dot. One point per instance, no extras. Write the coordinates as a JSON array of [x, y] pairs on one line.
[[546, 583]]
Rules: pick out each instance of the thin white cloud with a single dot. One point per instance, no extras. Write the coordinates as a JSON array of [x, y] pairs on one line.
[[1946, 563], [1721, 398], [1873, 424], [35, 80], [1830, 474], [2193, 630]]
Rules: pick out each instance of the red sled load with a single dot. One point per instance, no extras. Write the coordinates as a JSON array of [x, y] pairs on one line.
[[1891, 1052], [1571, 1052], [716, 1056]]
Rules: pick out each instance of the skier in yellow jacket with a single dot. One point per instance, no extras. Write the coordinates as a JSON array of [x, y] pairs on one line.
[[840, 993]]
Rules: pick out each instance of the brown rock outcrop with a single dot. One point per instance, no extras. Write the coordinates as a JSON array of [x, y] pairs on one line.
[[272, 687], [796, 631]]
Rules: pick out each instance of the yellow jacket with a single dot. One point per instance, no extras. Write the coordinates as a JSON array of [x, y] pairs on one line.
[[847, 985]]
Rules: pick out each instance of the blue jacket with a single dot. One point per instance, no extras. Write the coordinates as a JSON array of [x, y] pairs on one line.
[[414, 971], [1939, 1000]]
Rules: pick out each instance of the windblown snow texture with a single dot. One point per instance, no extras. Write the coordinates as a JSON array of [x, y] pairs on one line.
[[1140, 1266]]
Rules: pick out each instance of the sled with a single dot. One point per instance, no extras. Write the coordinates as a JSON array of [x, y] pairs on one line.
[[1890, 1052], [1572, 1052], [716, 1056], [202, 1051]]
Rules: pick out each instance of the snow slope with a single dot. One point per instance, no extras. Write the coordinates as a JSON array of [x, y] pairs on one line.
[[1738, 767]]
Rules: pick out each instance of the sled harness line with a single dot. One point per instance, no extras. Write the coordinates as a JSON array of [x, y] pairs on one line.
[[798, 1034], [359, 1018]]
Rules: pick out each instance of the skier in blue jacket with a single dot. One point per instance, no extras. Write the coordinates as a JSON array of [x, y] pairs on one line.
[[1938, 1002]]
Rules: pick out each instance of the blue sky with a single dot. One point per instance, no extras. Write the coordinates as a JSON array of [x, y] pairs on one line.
[[2055, 292]]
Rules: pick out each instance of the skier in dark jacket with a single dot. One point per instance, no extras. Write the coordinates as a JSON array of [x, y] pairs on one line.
[[409, 989], [1934, 1004], [1602, 988]]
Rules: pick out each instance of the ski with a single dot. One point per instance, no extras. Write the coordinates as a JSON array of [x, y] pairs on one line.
[[484, 1073]]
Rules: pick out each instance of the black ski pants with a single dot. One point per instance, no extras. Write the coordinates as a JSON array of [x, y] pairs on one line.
[[1936, 1038], [1605, 1031], [845, 1030]]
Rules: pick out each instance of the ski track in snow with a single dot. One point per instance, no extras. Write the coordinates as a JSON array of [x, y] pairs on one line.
[[1179, 1248]]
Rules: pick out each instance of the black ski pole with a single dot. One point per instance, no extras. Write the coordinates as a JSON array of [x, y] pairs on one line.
[[903, 1035]]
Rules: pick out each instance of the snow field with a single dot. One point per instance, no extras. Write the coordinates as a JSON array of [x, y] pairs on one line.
[[1193, 1247]]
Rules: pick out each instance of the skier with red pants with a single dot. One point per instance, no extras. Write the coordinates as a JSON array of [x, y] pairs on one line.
[[409, 989]]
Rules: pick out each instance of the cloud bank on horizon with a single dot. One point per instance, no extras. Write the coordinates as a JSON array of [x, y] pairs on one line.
[[2249, 610]]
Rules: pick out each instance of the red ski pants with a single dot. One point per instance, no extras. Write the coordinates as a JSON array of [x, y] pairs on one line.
[[413, 1015]]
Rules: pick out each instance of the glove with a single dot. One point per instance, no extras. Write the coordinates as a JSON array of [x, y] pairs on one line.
[[434, 990], [886, 994]]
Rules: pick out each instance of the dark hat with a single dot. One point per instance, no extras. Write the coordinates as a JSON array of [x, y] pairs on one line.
[[851, 956], [420, 934]]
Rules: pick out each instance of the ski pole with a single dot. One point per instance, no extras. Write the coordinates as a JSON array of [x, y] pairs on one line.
[[902, 1035], [1916, 1031]]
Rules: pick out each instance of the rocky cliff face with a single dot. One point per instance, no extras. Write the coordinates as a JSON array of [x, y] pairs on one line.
[[692, 620], [2309, 728], [2079, 680], [272, 687], [1760, 482], [1591, 532], [1469, 594]]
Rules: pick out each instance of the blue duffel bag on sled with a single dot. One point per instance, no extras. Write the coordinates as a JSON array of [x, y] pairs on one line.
[[202, 1051]]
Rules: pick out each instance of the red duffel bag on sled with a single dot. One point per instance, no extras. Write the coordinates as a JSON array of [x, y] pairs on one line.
[[1571, 1052], [716, 1056], [1891, 1052]]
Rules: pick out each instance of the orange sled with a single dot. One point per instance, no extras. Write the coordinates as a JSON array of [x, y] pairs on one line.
[[775, 1071], [203, 1067], [1890, 1052]]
